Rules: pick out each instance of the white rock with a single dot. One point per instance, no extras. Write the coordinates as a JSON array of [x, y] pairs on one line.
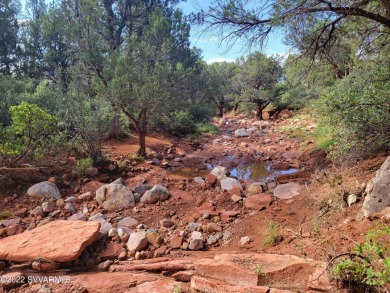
[[37, 211], [128, 222], [378, 192], [245, 240], [241, 132], [70, 199], [95, 217], [252, 129], [105, 227], [156, 194], [86, 196], [115, 196], [77, 217], [112, 232], [351, 199], [288, 190], [196, 235], [230, 183], [219, 172], [227, 137], [45, 190], [200, 181], [137, 241]]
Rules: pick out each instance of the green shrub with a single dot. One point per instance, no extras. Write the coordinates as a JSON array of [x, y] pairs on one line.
[[179, 123], [83, 165], [137, 158], [356, 109], [207, 128], [30, 128], [369, 265], [273, 235], [5, 215]]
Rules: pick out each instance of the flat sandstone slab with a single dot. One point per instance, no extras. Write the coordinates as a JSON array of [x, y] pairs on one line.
[[59, 241]]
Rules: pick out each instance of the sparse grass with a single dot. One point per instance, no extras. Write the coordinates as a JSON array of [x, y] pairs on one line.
[[83, 165], [193, 136], [260, 271], [300, 247], [324, 143], [204, 127], [5, 215], [316, 229], [302, 116], [299, 133], [123, 165], [176, 289], [273, 236], [207, 128], [137, 158]]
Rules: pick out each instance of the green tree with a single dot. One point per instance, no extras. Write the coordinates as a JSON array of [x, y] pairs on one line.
[[32, 64], [11, 93], [304, 80], [220, 75], [149, 79], [30, 126], [9, 49], [257, 79]]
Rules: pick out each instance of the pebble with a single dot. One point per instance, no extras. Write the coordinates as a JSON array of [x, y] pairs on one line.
[[48, 206], [104, 266], [69, 207], [245, 240]]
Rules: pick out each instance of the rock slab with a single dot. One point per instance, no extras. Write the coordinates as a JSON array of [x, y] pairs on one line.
[[59, 241], [288, 190], [378, 192]]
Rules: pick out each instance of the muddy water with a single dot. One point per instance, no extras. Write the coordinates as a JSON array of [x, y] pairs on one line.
[[253, 171], [189, 172], [258, 172]]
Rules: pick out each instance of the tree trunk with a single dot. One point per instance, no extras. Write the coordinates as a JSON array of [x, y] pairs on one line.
[[140, 124], [220, 110], [114, 130], [386, 7], [141, 127], [259, 110], [142, 144]]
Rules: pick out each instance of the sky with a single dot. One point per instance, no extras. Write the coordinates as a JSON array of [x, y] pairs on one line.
[[214, 51]]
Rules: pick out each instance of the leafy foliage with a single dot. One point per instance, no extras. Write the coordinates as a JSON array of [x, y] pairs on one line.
[[357, 108], [369, 265], [180, 123], [83, 165], [29, 128], [256, 81]]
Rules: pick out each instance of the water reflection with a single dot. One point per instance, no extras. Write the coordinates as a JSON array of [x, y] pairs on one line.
[[253, 171], [258, 172]]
